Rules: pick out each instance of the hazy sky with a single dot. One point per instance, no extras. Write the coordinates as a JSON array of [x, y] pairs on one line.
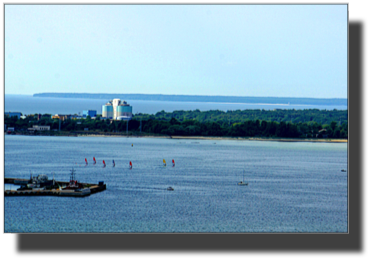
[[243, 50]]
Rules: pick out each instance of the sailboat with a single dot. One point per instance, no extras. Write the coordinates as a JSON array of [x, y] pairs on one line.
[[243, 182], [86, 161], [164, 162], [94, 160], [173, 162], [104, 164], [130, 165], [113, 163]]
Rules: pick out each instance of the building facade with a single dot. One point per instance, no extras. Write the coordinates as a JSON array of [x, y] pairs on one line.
[[11, 114], [64, 117], [60, 117], [39, 128], [107, 110], [117, 109], [91, 113]]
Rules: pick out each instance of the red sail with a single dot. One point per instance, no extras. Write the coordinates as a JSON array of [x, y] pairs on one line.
[[173, 161], [104, 162], [85, 160], [130, 163]]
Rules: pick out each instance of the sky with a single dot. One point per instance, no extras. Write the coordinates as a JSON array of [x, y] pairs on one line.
[[227, 50]]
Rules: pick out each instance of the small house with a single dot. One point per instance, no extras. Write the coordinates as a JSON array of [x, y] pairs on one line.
[[39, 128], [322, 134]]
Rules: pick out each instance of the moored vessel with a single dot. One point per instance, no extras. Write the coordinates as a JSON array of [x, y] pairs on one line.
[[243, 182]]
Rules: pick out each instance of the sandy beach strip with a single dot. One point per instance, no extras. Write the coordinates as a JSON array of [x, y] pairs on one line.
[[225, 138], [264, 139]]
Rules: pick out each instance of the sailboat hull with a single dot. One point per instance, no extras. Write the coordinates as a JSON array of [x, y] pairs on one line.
[[243, 183]]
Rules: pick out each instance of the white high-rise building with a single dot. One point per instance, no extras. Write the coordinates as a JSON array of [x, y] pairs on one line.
[[115, 103], [117, 109]]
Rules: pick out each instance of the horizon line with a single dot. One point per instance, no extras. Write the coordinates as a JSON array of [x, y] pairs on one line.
[[182, 95]]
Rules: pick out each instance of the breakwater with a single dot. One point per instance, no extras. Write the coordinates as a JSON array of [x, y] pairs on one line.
[[83, 192]]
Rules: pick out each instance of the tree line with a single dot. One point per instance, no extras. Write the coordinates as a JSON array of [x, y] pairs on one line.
[[238, 116], [250, 128], [284, 124]]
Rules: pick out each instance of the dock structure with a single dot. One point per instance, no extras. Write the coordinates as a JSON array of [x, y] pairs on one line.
[[82, 192]]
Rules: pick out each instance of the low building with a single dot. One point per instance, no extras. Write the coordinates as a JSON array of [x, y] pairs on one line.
[[124, 118], [12, 114], [76, 117], [322, 134], [11, 129], [64, 117], [91, 113], [60, 117], [39, 128]]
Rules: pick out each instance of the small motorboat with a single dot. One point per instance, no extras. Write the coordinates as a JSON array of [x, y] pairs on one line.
[[170, 188], [343, 170]]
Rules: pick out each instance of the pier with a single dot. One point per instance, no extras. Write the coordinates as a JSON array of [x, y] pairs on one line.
[[83, 192]]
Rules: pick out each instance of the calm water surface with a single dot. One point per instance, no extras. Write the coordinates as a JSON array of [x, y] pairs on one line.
[[293, 187], [42, 105]]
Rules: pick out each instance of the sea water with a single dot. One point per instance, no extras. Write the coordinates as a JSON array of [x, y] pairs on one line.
[[293, 187], [46, 105]]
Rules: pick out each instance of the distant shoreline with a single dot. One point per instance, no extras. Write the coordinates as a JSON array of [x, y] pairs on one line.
[[328, 140], [280, 101], [218, 138], [266, 139]]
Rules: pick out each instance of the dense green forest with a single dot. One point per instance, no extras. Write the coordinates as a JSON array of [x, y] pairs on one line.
[[249, 123], [238, 116]]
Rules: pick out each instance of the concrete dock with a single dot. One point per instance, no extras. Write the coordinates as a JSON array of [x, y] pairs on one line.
[[83, 192]]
